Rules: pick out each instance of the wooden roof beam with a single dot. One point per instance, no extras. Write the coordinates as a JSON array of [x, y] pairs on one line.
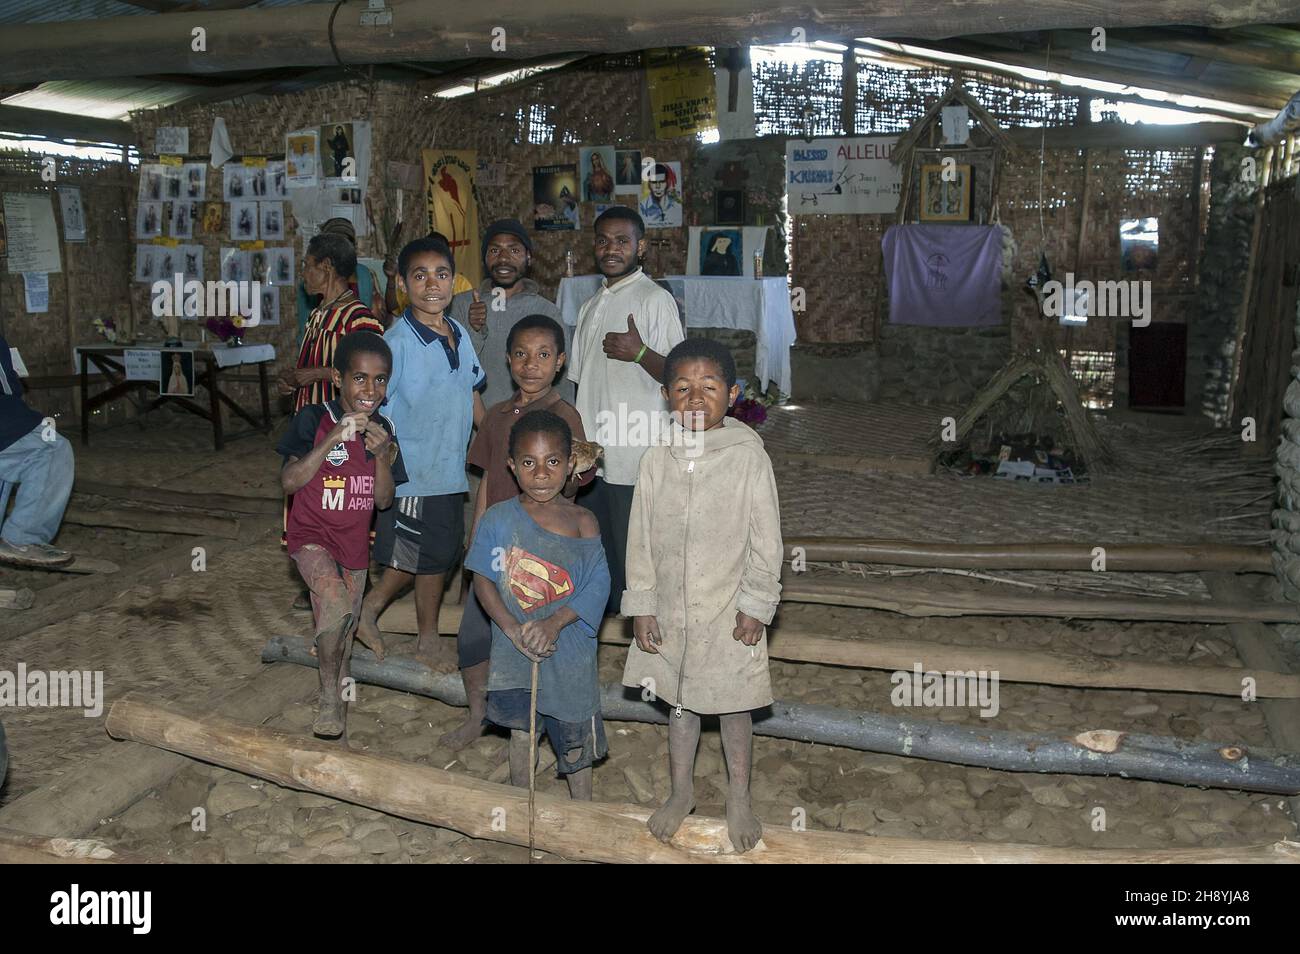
[[425, 30], [51, 125]]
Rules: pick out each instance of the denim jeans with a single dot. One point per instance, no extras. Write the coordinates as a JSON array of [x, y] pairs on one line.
[[43, 471]]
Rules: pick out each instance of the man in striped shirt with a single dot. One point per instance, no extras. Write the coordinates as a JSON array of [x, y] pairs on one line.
[[330, 260]]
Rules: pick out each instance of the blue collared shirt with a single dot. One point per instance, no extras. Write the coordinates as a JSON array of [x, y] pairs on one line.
[[431, 404]]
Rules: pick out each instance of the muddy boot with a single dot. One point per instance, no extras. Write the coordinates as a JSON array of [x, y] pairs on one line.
[[331, 714]]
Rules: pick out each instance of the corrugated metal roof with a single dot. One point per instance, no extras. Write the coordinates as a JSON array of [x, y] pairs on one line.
[[103, 99]]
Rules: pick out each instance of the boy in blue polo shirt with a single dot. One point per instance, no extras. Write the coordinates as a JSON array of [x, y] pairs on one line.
[[433, 402]]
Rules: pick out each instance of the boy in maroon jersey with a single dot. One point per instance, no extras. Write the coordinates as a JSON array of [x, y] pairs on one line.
[[340, 462]]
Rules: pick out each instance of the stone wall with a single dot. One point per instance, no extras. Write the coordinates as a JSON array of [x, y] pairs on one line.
[[1286, 518], [1211, 336], [939, 365]]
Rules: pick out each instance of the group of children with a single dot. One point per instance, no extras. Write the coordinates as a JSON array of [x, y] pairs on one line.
[[703, 550]]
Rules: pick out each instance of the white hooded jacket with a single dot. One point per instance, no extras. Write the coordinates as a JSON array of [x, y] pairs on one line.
[[704, 541]]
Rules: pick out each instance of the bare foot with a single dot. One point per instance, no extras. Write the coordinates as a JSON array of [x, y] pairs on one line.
[[431, 654], [744, 829], [664, 823], [460, 737], [368, 632], [371, 640]]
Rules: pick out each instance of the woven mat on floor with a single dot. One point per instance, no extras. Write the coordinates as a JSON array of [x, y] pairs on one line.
[[190, 634]]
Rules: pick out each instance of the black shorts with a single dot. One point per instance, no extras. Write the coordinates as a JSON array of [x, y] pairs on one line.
[[474, 640], [585, 740], [421, 535]]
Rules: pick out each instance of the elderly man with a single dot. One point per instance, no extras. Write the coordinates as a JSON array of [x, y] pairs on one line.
[[505, 296]]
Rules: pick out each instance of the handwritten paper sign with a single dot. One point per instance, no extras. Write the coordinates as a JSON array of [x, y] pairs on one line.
[[33, 236], [842, 175], [142, 365], [172, 140], [36, 291]]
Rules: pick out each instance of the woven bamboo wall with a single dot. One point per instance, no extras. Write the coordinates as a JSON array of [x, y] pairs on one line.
[[836, 258], [1125, 183], [596, 106], [257, 128], [92, 283]]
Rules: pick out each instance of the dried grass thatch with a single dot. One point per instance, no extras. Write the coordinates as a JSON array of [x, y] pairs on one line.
[[1050, 369]]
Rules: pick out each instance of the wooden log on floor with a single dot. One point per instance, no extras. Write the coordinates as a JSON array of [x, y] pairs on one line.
[[912, 599], [580, 831], [111, 782], [235, 503], [82, 565], [1089, 752], [1149, 558], [155, 521], [1012, 665], [1257, 645], [20, 848]]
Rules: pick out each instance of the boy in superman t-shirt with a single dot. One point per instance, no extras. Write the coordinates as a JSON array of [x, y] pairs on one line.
[[540, 575], [341, 462]]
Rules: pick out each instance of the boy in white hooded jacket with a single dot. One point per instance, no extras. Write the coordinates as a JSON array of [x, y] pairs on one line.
[[704, 579]]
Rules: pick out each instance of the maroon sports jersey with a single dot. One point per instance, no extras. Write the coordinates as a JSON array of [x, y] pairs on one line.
[[334, 509]]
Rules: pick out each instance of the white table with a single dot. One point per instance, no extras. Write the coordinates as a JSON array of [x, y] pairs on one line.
[[711, 301]]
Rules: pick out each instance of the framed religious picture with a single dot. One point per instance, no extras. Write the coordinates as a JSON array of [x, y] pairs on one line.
[[338, 153], [272, 219], [728, 207], [627, 171], [214, 214], [243, 221], [945, 198], [721, 252], [176, 374], [1139, 243], [596, 165]]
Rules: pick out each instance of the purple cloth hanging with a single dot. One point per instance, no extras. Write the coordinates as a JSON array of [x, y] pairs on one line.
[[947, 276]]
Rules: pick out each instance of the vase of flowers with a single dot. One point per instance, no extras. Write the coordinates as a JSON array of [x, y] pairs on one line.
[[229, 330], [106, 329], [751, 407]]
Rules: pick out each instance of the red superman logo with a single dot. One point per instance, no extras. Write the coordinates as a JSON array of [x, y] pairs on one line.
[[534, 581]]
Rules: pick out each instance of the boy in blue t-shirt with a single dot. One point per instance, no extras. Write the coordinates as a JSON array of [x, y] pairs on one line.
[[433, 401], [540, 574]]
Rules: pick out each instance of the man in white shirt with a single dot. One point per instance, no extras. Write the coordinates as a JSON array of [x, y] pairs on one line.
[[616, 359]]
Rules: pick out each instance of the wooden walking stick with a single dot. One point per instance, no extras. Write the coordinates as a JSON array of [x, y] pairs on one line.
[[532, 756]]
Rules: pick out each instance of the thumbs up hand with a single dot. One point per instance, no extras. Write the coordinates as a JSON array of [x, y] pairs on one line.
[[477, 313], [623, 345]]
